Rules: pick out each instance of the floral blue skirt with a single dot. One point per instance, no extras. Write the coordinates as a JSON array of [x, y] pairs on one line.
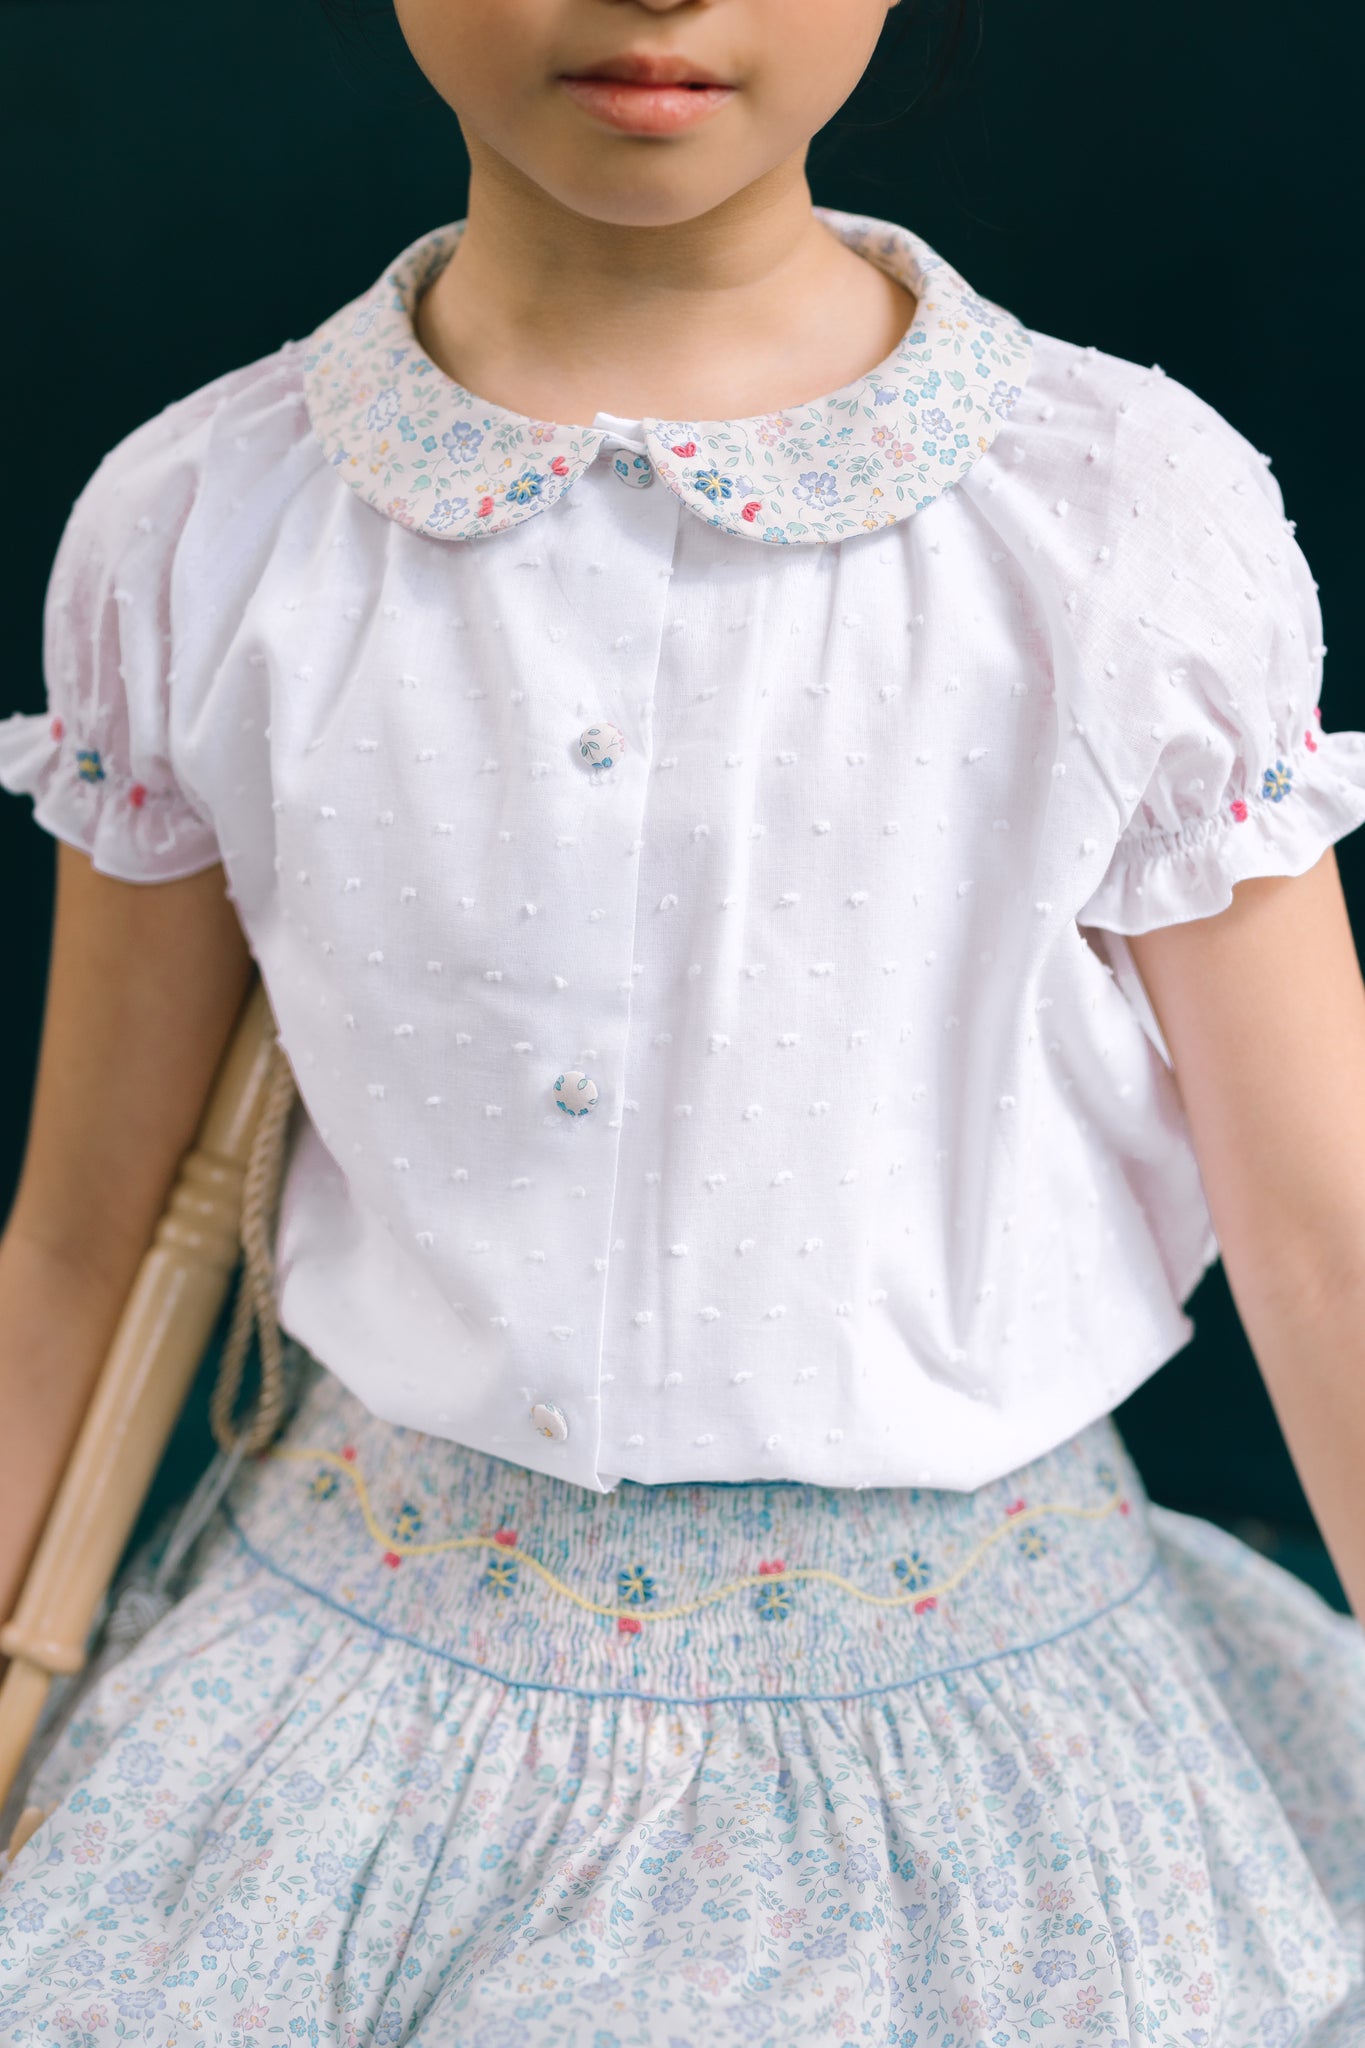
[[438, 1750]]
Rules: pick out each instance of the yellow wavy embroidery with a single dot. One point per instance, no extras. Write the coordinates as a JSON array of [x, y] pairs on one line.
[[395, 1547]]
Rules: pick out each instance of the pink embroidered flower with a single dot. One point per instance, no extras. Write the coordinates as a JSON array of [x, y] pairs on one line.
[[926, 1606], [137, 796], [1239, 810], [685, 448], [752, 509], [485, 507], [627, 1625], [1199, 1995], [560, 466], [348, 1453], [508, 1537], [392, 1560], [1016, 1507], [772, 1564], [58, 729], [1310, 742]]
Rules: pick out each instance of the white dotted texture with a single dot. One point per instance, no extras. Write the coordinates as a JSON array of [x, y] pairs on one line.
[[887, 1181]]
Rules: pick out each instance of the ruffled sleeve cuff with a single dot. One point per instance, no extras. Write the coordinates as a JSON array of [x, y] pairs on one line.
[[1311, 796], [132, 831]]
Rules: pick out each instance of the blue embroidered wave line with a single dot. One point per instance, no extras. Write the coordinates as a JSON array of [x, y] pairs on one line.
[[585, 1692]]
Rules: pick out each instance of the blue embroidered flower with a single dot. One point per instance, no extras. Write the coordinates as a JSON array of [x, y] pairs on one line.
[[672, 1898], [1054, 1964], [329, 1872], [139, 2005], [89, 764], [818, 488], [407, 1523], [634, 1584], [711, 484], [1001, 1774], [500, 1575], [224, 1931], [526, 487], [1280, 2028], [993, 1890], [1032, 1543], [385, 409], [1277, 781], [324, 1484], [774, 1601], [461, 442], [445, 513], [140, 1764], [301, 1788], [913, 1571]]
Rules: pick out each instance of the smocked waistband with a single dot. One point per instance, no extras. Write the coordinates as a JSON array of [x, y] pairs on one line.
[[693, 1592]]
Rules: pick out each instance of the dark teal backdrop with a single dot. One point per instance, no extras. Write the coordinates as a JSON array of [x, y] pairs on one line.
[[187, 185]]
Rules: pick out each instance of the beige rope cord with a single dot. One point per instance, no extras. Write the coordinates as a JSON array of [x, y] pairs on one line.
[[255, 1300]]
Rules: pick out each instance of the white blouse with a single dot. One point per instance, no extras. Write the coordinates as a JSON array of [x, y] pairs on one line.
[[678, 940]]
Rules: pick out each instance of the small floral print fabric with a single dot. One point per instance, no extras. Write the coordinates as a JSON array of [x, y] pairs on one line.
[[446, 463], [439, 1750]]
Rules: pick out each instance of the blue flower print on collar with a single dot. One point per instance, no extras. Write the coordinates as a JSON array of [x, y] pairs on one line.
[[443, 462]]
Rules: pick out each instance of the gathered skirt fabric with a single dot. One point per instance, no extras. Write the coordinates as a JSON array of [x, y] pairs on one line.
[[439, 1750]]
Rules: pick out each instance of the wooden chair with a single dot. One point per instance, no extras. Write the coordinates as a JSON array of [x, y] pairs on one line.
[[221, 1205]]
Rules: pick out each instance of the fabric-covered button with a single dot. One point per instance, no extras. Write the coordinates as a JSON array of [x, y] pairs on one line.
[[575, 1093], [600, 745], [635, 470], [550, 1421]]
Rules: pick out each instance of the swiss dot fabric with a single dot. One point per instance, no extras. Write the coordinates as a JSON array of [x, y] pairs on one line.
[[930, 691]]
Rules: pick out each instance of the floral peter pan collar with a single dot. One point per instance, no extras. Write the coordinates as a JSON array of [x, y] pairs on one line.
[[421, 449]]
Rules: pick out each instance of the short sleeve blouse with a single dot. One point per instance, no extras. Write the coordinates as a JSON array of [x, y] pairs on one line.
[[781, 793]]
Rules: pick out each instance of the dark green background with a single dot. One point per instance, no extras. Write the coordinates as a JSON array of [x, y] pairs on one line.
[[189, 184]]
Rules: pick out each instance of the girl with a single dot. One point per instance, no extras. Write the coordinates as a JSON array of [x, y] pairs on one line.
[[786, 825]]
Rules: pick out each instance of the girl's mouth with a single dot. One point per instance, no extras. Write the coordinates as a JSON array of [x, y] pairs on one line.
[[647, 95]]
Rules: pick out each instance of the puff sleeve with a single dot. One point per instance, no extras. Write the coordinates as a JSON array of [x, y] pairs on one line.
[[1200, 687], [97, 762]]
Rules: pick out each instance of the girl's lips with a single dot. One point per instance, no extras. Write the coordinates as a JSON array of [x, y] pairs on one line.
[[646, 109]]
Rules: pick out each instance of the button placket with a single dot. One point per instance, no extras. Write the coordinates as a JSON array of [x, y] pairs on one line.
[[589, 838]]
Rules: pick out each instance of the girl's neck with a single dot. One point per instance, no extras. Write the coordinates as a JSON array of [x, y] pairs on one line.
[[746, 309]]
